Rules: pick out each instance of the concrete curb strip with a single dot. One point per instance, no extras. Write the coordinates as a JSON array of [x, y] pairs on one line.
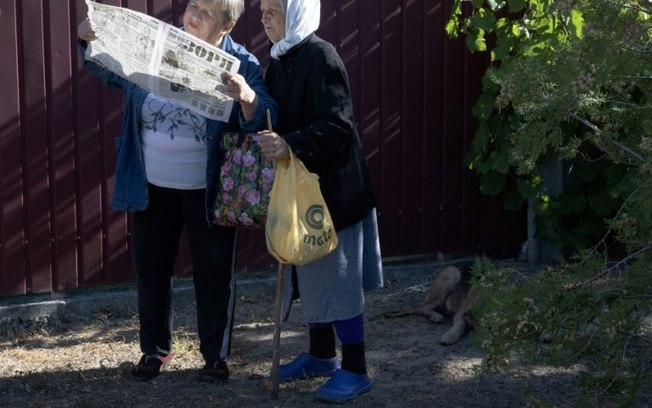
[[87, 303]]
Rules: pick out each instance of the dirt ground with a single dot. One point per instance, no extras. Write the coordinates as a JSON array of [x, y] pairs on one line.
[[84, 361]]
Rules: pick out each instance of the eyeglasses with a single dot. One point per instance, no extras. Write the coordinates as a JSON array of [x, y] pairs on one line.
[[203, 13]]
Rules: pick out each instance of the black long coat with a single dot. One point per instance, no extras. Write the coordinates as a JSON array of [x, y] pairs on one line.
[[311, 86]]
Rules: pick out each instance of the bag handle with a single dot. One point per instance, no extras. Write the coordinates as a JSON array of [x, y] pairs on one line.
[[240, 136]]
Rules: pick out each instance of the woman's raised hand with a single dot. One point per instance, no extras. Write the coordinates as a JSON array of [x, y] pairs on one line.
[[85, 30]]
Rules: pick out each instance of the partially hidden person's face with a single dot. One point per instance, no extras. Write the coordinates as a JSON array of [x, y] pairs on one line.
[[203, 21], [273, 19]]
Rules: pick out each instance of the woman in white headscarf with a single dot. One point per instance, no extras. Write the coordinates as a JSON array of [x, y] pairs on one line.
[[309, 81]]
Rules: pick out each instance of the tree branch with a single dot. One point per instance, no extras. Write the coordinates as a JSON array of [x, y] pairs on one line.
[[616, 266], [597, 130]]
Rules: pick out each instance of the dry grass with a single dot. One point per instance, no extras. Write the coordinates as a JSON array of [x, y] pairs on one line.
[[85, 361]]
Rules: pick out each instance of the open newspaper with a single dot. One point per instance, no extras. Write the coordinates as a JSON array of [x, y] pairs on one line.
[[162, 59]]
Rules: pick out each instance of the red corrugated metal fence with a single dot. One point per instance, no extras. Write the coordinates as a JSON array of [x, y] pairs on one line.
[[413, 90]]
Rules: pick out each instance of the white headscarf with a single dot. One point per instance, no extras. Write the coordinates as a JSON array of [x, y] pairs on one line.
[[301, 20]]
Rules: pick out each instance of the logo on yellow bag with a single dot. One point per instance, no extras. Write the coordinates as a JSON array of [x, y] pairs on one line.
[[315, 216], [315, 220]]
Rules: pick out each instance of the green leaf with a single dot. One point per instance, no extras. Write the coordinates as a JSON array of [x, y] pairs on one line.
[[577, 22], [495, 5], [477, 3], [601, 201], [492, 183], [515, 29], [483, 20], [513, 200], [489, 86], [586, 171], [503, 24], [483, 107], [590, 226], [526, 188], [514, 6], [452, 26], [544, 25], [500, 160], [502, 48], [572, 202], [475, 41], [481, 139], [616, 174], [482, 166]]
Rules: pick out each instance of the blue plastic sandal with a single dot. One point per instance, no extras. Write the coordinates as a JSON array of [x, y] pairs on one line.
[[307, 366], [344, 385]]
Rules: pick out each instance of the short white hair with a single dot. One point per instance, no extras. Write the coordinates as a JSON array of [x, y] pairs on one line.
[[231, 10]]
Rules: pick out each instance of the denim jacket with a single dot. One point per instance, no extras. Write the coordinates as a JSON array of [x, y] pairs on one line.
[[130, 188]]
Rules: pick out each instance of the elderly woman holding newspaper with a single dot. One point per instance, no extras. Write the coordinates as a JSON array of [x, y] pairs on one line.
[[166, 170]]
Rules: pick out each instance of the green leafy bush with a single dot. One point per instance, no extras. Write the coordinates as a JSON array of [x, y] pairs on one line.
[[570, 80]]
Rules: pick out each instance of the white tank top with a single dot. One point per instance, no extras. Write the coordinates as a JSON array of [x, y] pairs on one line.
[[174, 146]]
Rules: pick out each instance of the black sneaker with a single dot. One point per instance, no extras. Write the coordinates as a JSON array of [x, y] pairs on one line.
[[149, 366], [214, 371]]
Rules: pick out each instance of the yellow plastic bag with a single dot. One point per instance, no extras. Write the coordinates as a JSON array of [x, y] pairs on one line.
[[299, 228]]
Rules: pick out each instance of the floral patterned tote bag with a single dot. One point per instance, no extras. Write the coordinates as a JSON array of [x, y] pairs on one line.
[[245, 182]]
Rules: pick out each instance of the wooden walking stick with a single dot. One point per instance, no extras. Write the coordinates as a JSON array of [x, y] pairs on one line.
[[278, 312], [276, 344]]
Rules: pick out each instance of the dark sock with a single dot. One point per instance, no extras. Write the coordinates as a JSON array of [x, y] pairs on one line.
[[353, 358], [322, 342]]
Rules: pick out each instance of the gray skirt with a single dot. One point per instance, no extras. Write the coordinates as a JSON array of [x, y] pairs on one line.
[[332, 288]]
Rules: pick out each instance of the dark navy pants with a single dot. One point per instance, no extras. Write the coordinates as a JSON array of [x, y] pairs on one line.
[[156, 235]]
